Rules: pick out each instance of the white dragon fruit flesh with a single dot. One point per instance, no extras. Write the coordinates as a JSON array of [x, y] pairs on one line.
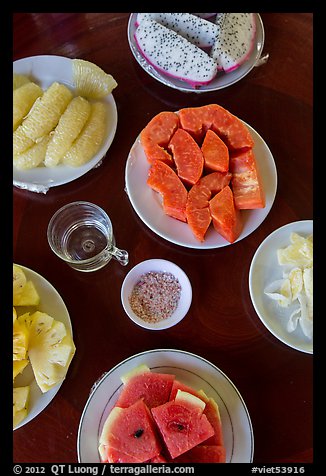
[[173, 55], [197, 30], [234, 41]]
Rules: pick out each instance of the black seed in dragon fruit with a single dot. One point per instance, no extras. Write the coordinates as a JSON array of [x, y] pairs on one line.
[[197, 30], [173, 55], [234, 41]]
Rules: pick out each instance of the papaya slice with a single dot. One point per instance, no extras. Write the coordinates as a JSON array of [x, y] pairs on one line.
[[246, 182], [197, 206], [197, 120], [215, 153], [164, 180], [156, 136], [226, 217], [187, 156]]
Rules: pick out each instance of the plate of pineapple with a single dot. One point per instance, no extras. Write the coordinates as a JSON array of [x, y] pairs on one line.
[[43, 345], [64, 119]]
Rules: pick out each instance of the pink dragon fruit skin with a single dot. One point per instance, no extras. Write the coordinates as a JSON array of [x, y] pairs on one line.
[[197, 30], [235, 40], [173, 55]]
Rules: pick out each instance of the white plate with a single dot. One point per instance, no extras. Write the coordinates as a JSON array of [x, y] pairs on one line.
[[191, 370], [147, 203], [264, 269], [222, 80], [51, 303], [46, 69], [162, 265]]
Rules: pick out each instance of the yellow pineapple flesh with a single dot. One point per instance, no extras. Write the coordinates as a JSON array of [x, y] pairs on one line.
[[20, 404]]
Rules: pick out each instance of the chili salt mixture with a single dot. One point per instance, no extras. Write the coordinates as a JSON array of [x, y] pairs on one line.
[[156, 295]]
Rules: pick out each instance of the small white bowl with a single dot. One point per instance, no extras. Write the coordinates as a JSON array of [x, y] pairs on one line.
[[132, 279]]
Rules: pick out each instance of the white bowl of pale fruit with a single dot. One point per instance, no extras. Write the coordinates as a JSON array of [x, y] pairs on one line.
[[43, 345]]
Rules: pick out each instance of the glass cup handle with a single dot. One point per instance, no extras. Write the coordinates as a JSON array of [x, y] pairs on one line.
[[120, 255]]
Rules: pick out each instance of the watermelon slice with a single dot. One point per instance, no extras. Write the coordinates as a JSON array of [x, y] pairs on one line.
[[187, 156], [157, 134], [182, 423], [130, 432], [246, 183], [164, 180], [203, 454], [154, 388], [211, 411], [111, 455], [226, 218], [215, 153]]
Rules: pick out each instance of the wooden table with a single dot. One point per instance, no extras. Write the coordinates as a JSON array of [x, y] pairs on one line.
[[222, 326]]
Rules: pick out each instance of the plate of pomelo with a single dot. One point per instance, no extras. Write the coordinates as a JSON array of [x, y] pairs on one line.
[[207, 394], [86, 112], [215, 204]]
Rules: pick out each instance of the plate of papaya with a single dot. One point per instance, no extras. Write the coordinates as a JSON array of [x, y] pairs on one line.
[[200, 177], [192, 52], [139, 411]]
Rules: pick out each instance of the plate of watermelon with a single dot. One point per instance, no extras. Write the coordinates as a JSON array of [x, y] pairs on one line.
[[203, 202], [202, 59], [165, 405]]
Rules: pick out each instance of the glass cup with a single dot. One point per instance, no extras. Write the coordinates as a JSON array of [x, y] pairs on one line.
[[81, 234]]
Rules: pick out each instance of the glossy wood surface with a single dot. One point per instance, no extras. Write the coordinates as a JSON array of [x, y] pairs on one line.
[[274, 380]]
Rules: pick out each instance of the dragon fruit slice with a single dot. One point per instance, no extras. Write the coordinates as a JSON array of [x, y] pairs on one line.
[[173, 55], [234, 41], [197, 30], [204, 15]]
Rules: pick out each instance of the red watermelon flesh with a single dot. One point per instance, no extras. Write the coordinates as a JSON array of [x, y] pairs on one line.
[[211, 411], [111, 455], [182, 425], [154, 388], [164, 180], [203, 454], [131, 431], [157, 134]]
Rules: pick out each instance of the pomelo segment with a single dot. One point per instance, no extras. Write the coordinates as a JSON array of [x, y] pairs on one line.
[[156, 136], [154, 388], [182, 425], [131, 431]]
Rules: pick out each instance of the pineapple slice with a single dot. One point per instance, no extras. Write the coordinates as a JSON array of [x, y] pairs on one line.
[[50, 351], [20, 404], [28, 296], [46, 111], [23, 99], [33, 156], [69, 127], [14, 315], [90, 80], [20, 340], [18, 366], [19, 279], [19, 80], [90, 139]]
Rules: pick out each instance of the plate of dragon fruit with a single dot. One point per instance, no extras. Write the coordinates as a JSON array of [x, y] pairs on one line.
[[165, 406], [201, 177], [192, 52]]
